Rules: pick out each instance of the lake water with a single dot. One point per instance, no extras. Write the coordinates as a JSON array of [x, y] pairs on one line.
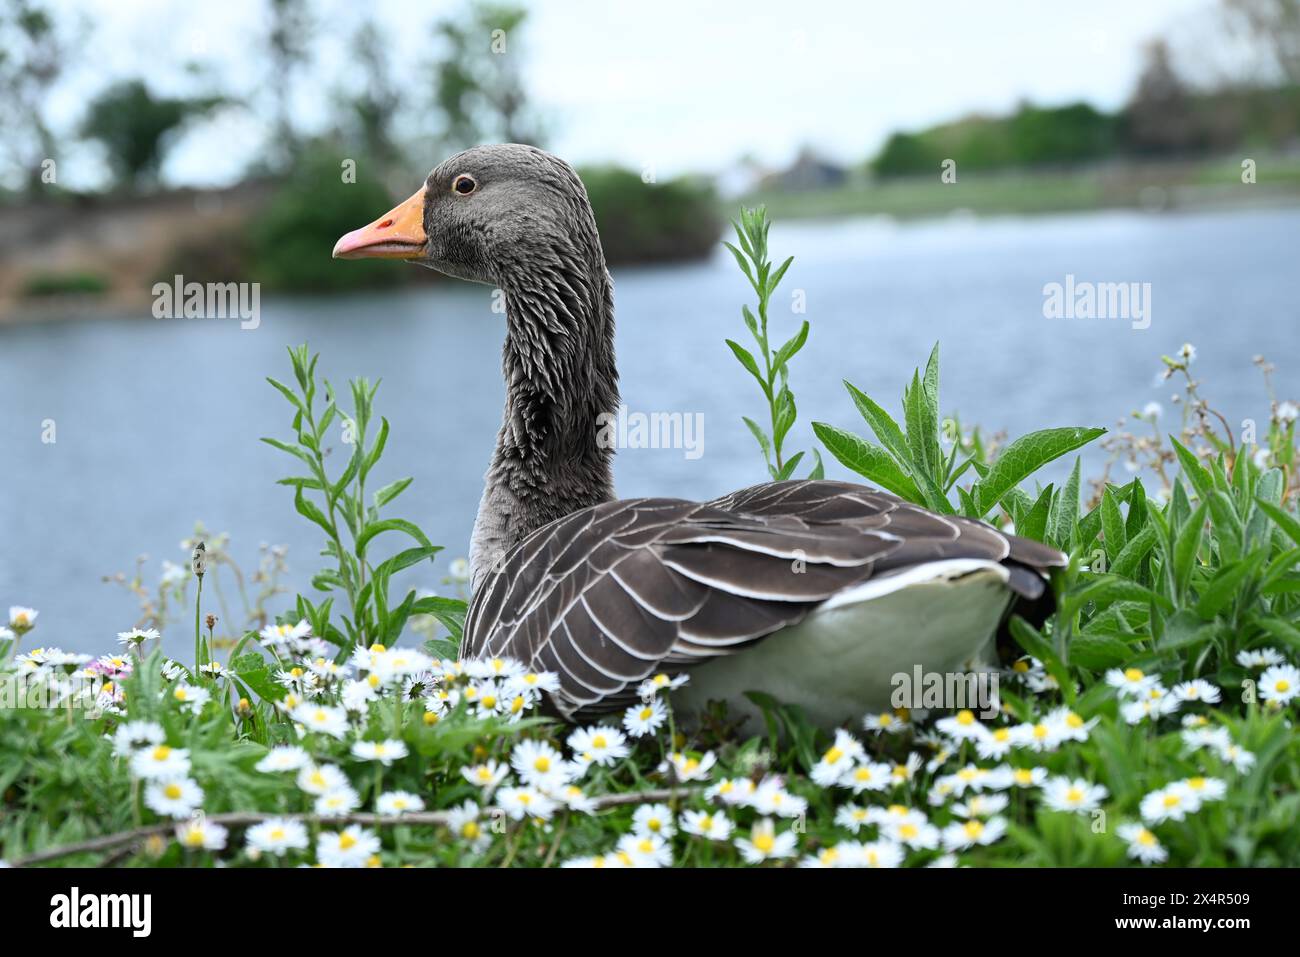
[[158, 420]]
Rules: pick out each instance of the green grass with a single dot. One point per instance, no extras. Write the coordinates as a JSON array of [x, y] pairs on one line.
[[1041, 191], [1189, 582]]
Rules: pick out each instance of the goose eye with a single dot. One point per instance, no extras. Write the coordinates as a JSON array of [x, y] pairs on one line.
[[464, 184]]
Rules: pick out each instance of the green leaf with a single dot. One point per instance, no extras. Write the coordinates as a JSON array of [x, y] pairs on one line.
[[1196, 474], [882, 424], [1286, 522], [1065, 510], [1135, 549], [1112, 523], [869, 461], [1025, 456], [1226, 584], [749, 363], [791, 348], [390, 525], [763, 442], [391, 491], [1034, 524], [1186, 546]]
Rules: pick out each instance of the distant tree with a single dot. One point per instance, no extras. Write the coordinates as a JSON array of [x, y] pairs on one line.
[[288, 48], [33, 51], [478, 86], [1074, 133], [1161, 116], [372, 104], [1272, 26], [904, 154], [136, 129]]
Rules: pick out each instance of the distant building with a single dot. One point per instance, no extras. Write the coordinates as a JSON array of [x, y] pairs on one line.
[[808, 172]]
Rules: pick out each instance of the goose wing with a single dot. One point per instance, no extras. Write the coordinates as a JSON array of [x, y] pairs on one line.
[[617, 592]]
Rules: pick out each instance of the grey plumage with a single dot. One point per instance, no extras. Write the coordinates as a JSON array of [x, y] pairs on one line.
[[604, 592]]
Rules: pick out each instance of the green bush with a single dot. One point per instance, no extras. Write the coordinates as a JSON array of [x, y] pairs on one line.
[[651, 222], [62, 284], [291, 241]]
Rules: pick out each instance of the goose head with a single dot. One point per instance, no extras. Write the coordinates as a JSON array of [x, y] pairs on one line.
[[498, 214]]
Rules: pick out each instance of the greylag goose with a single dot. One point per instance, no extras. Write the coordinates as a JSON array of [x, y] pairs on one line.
[[816, 592]]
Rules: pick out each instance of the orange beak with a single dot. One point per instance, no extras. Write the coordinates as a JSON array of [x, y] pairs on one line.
[[398, 234]]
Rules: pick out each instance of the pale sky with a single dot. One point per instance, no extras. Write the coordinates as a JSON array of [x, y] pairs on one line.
[[683, 85]]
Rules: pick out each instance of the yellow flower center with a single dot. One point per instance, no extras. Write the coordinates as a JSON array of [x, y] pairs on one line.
[[430, 718], [1283, 685], [542, 764], [973, 829], [764, 842], [193, 837], [1073, 720], [909, 831], [1172, 800], [296, 672], [646, 713], [1196, 784], [1024, 776], [162, 753], [599, 742], [1074, 795], [1133, 674], [372, 679], [1145, 837], [346, 841], [1021, 666], [173, 791], [833, 755], [1001, 735], [965, 717], [470, 830], [1040, 731]]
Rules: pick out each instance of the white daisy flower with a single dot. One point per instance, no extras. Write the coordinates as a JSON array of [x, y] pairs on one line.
[[958, 837], [711, 825], [21, 619], [1202, 790], [1135, 712], [653, 819], [1287, 411], [882, 853], [1038, 735], [486, 775], [764, 844], [351, 847], [173, 797], [191, 697], [1131, 681], [645, 850], [282, 636], [1196, 691], [1026, 777], [1068, 725], [963, 726], [1259, 658], [540, 765], [981, 805], [734, 791], [1170, 803], [575, 799], [533, 682], [494, 668], [1065, 794], [687, 768], [902, 773], [597, 862], [463, 822], [886, 722], [645, 718], [771, 797], [1216, 739], [276, 836], [1142, 844], [338, 802], [397, 803], [829, 857], [200, 834], [385, 752], [1279, 684], [320, 779], [131, 735], [1238, 757], [868, 776], [600, 745], [284, 757], [322, 718], [661, 682], [521, 802], [357, 695], [138, 636], [160, 762], [1187, 353], [994, 742]]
